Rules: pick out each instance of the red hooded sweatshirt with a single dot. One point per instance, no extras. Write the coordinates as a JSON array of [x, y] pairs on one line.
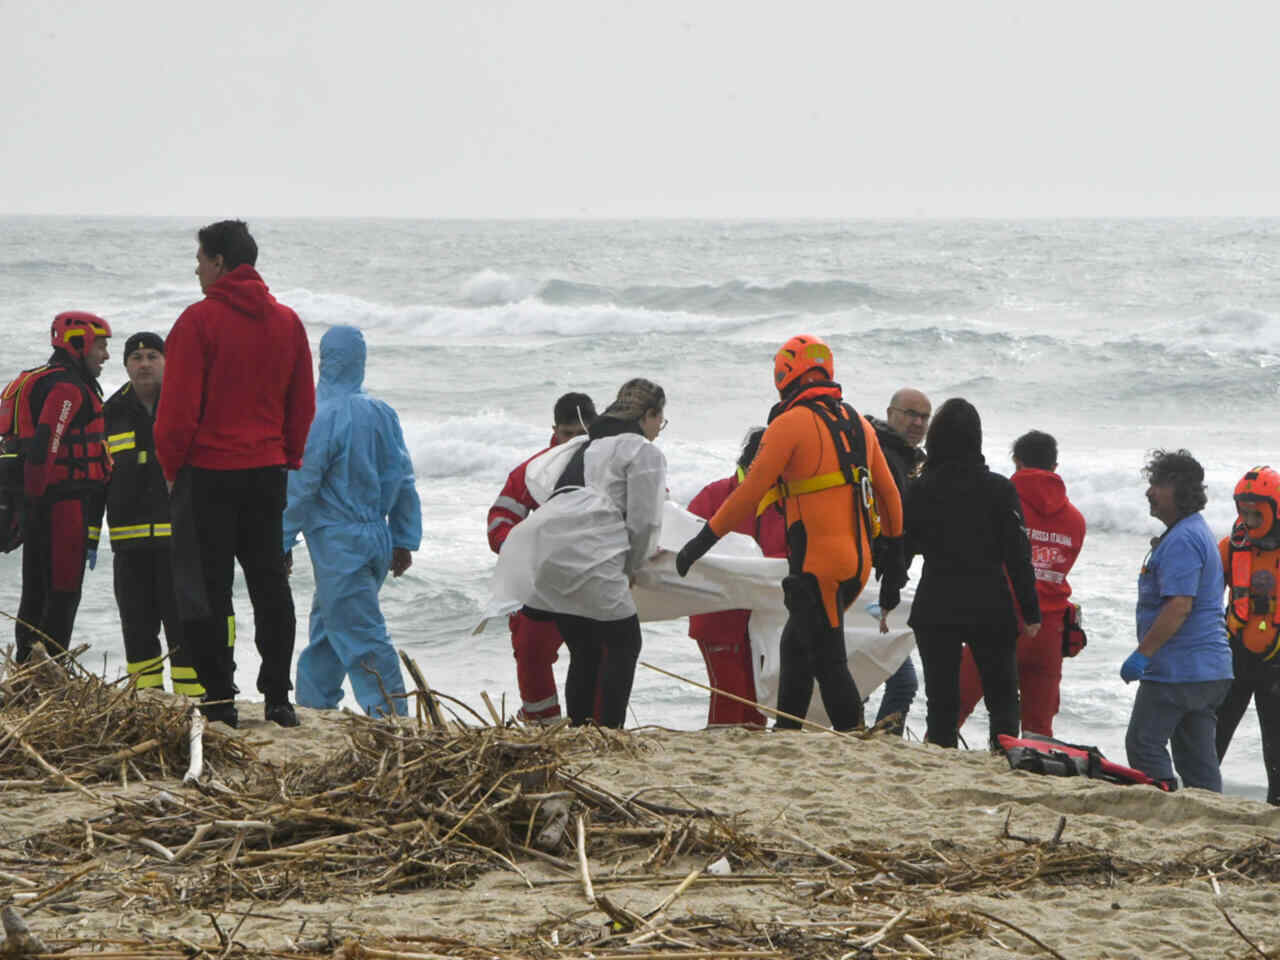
[[1056, 531], [238, 388]]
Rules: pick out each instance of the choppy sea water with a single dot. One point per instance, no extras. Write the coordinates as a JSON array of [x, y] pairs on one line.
[[1116, 336]]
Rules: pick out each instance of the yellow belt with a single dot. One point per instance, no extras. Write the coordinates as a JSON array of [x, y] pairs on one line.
[[823, 481]]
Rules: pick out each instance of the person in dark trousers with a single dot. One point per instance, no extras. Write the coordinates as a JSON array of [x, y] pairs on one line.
[[900, 434], [137, 507], [584, 546], [1251, 565], [967, 523], [823, 461], [232, 421], [1056, 530], [53, 415]]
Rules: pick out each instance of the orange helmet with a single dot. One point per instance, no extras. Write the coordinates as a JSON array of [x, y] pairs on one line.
[[797, 357], [76, 331], [1261, 485]]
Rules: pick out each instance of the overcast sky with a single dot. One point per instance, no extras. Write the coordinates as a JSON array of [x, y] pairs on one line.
[[601, 108]]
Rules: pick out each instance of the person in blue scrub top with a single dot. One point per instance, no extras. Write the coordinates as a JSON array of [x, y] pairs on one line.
[[1183, 659], [355, 502]]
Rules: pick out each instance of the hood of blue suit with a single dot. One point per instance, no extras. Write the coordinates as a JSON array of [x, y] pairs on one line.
[[342, 356]]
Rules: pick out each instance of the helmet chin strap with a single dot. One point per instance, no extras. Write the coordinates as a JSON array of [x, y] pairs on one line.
[[1270, 542]]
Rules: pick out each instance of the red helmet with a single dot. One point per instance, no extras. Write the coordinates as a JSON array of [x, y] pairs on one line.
[[76, 332], [797, 357], [1261, 485]]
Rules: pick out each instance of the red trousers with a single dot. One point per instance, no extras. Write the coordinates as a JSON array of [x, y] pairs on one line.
[[53, 559], [535, 644], [726, 648], [1039, 676]]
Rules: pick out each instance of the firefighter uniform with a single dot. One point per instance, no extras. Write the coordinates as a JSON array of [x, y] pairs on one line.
[[138, 523]]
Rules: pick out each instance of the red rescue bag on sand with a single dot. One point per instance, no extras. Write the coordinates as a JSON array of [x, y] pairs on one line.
[[1038, 754]]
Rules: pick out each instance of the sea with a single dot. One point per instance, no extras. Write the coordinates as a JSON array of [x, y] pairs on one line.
[[1117, 336]]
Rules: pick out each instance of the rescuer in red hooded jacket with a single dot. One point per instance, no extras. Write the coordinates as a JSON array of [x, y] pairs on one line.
[[238, 402], [1056, 530], [56, 468], [722, 637], [536, 642]]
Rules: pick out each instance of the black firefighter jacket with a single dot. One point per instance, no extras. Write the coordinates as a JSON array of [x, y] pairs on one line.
[[137, 501]]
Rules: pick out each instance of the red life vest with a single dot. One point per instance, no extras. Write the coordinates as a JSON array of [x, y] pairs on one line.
[[1252, 575], [1039, 754], [82, 460]]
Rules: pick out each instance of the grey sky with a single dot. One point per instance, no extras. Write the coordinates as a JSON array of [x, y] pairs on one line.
[[607, 108]]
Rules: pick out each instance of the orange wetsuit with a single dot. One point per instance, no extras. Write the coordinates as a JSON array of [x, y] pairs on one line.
[[826, 534]]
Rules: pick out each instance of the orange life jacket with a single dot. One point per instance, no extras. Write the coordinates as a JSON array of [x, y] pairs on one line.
[[1252, 577]]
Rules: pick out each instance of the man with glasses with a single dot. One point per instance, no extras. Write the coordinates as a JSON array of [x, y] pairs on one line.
[[908, 414], [900, 436]]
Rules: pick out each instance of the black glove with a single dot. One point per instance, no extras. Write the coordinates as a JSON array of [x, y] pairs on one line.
[[692, 551]]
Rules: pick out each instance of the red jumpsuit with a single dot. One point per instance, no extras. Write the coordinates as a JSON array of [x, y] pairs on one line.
[[534, 642], [722, 637], [1056, 531], [57, 414]]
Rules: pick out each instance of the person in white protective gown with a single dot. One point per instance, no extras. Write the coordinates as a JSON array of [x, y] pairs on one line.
[[574, 559]]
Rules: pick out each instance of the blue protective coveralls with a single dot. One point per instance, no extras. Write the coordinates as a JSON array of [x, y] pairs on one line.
[[354, 499]]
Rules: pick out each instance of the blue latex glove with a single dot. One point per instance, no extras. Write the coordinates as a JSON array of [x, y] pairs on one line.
[[92, 555], [1134, 667]]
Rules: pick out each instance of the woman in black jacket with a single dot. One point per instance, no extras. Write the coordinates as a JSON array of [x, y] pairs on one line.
[[967, 523]]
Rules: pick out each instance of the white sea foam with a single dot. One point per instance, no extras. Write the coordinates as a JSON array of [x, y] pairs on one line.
[[483, 447], [491, 287], [519, 319], [1230, 333], [1113, 497]]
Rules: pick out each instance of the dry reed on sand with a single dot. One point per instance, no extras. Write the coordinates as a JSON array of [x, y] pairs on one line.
[[400, 807], [61, 726]]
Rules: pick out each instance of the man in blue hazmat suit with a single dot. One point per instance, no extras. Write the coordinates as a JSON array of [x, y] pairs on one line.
[[354, 500]]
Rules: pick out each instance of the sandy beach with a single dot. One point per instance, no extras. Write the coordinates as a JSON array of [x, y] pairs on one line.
[[959, 839]]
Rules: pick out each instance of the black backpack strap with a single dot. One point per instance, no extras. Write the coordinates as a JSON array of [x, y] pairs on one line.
[[574, 474], [847, 435]]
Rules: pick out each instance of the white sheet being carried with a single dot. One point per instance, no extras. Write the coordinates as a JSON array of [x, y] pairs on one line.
[[733, 575]]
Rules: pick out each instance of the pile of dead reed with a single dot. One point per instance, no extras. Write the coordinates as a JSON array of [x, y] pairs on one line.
[[398, 807], [404, 806], [62, 727]]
